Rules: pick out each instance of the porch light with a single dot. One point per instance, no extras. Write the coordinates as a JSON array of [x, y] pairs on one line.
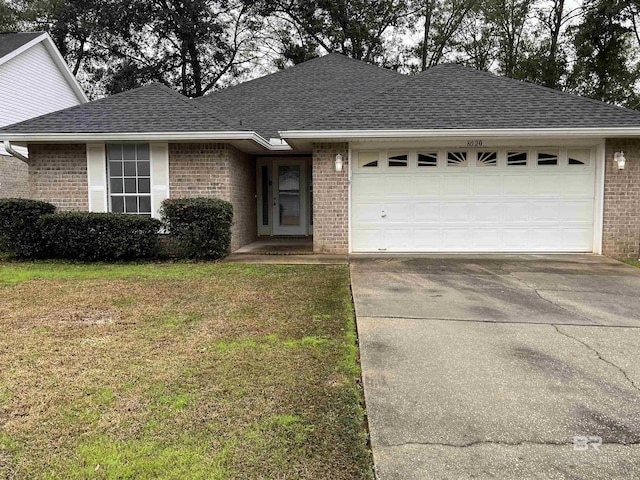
[[618, 157], [339, 163]]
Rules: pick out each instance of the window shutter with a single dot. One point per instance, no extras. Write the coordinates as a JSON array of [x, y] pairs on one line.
[[159, 176], [97, 177]]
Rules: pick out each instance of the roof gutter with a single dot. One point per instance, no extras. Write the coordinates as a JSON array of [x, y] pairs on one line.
[[147, 136], [11, 151], [464, 133]]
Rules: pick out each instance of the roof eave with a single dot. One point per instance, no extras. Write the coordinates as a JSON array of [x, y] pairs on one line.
[[143, 136], [463, 133]]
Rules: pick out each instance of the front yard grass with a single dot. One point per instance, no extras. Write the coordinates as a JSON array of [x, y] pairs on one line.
[[182, 371], [635, 263]]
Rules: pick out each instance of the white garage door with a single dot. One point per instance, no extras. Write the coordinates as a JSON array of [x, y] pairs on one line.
[[457, 200]]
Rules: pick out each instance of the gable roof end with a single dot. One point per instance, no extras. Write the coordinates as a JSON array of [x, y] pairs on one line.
[[13, 44], [12, 41]]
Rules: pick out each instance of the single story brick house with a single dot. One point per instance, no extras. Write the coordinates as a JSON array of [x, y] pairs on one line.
[[361, 158]]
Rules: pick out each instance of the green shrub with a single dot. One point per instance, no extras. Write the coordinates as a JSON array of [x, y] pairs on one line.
[[199, 227], [20, 234], [100, 236]]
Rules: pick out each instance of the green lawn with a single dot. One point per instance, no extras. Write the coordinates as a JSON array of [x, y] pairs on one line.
[[182, 371], [635, 263]]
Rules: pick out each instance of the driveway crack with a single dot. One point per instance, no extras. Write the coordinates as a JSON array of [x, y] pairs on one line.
[[600, 357], [537, 292]]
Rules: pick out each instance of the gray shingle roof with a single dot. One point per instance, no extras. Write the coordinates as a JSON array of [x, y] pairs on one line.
[[338, 93], [299, 94], [451, 96], [154, 108], [11, 41]]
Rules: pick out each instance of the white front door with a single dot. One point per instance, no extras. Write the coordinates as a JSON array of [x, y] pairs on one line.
[[289, 197]]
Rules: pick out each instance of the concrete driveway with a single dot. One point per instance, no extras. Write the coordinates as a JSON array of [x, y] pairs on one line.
[[500, 367]]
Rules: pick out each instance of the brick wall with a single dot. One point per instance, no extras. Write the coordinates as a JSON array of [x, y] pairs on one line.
[[330, 199], [621, 227], [217, 170], [58, 174], [14, 178], [242, 181]]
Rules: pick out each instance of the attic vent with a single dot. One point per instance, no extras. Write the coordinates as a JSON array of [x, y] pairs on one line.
[[457, 159], [428, 159], [487, 159]]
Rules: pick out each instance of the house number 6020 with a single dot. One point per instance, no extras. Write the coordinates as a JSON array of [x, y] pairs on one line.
[[474, 143]]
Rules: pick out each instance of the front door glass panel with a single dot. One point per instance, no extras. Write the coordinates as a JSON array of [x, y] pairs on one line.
[[289, 205]]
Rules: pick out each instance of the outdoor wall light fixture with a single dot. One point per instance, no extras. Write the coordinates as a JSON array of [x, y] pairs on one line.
[[339, 163], [618, 157]]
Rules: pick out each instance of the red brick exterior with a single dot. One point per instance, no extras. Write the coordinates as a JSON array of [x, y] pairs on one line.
[[330, 199], [217, 170], [14, 178], [58, 174], [621, 227]]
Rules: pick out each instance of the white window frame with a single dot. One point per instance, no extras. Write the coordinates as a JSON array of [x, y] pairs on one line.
[[136, 177]]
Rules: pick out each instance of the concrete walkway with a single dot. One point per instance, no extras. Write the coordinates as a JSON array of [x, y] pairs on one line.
[[493, 367]]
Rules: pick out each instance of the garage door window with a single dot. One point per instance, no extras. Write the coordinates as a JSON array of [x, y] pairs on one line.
[[457, 159], [516, 159], [428, 159], [579, 157], [368, 159], [487, 159], [398, 160], [547, 158]]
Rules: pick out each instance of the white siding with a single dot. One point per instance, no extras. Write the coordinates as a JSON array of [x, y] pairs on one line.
[[31, 85]]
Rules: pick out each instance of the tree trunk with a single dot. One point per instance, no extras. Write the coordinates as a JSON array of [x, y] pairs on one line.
[[428, 13]]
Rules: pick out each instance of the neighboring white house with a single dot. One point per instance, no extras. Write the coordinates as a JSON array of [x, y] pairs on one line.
[[34, 80]]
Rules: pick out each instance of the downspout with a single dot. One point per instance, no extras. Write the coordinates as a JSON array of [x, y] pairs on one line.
[[11, 151]]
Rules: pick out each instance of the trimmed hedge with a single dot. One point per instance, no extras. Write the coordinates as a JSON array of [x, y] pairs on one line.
[[198, 227], [100, 236], [20, 233]]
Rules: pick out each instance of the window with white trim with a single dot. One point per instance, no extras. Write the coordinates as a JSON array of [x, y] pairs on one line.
[[368, 159], [428, 159], [547, 158], [578, 156], [129, 174], [487, 159], [457, 159], [516, 159], [398, 160]]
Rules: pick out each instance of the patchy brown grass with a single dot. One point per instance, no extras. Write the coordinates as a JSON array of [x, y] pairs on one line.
[[179, 371]]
